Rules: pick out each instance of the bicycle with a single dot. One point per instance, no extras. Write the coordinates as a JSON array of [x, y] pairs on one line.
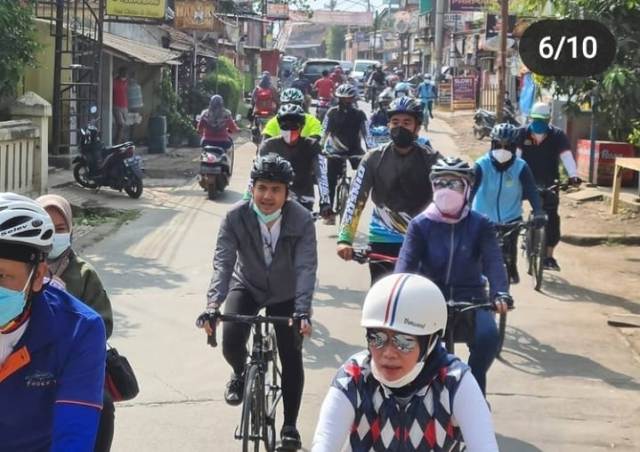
[[262, 392], [343, 186]]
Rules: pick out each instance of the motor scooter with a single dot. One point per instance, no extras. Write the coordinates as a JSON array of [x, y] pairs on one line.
[[216, 168], [485, 120]]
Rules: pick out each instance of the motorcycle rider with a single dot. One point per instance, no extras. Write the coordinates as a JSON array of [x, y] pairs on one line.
[[427, 92], [216, 124], [266, 256], [396, 175], [376, 83], [337, 77], [312, 126], [264, 97], [303, 84], [502, 181], [344, 127], [304, 154], [405, 381], [52, 346], [324, 86], [542, 145], [457, 249]]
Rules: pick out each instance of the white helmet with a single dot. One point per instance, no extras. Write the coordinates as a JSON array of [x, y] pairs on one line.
[[406, 303], [540, 110], [24, 222]]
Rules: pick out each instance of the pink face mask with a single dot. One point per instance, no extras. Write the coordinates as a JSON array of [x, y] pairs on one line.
[[449, 202]]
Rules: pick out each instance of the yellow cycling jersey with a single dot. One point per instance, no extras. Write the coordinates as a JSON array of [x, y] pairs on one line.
[[312, 127]]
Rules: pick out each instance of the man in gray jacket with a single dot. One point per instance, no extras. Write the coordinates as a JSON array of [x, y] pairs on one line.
[[266, 256]]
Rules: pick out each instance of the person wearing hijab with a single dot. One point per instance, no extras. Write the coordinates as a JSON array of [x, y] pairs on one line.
[[216, 124], [80, 279]]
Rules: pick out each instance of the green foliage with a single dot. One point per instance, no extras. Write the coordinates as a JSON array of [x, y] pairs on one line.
[[634, 136], [618, 102], [19, 43], [335, 41], [229, 88], [231, 7], [169, 105]]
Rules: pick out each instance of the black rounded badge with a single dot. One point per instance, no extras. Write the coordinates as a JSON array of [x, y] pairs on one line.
[[567, 47]]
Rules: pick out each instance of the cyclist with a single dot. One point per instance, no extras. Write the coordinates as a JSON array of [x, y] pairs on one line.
[[502, 181], [216, 124], [344, 128], [52, 346], [402, 89], [428, 92], [397, 176], [542, 145], [457, 248], [304, 154], [376, 83], [324, 86], [380, 117], [404, 392], [266, 256], [312, 127], [81, 280]]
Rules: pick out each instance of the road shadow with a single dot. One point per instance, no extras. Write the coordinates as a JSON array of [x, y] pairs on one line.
[[560, 289], [338, 297], [322, 351], [523, 352], [122, 326], [506, 444]]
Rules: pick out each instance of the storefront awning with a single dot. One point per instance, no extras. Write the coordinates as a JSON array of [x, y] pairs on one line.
[[143, 53]]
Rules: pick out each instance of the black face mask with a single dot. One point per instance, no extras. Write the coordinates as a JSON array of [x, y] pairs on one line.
[[402, 137]]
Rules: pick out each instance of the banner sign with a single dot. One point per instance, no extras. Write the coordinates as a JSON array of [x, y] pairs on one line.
[[468, 5], [148, 9], [194, 15], [464, 93]]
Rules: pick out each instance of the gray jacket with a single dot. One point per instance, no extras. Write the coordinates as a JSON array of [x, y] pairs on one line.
[[239, 258]]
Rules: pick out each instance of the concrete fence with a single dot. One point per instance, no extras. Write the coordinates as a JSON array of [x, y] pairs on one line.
[[24, 147]]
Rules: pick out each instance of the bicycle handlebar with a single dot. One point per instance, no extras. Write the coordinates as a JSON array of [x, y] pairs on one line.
[[213, 317], [463, 306], [364, 255]]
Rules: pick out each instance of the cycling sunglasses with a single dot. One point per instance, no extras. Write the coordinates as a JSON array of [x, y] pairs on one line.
[[453, 184], [290, 126], [404, 343]]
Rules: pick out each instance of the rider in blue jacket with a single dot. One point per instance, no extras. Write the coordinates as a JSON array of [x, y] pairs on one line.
[[502, 181], [52, 346], [457, 249]]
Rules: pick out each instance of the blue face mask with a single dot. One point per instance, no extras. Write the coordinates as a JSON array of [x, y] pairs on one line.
[[264, 218], [12, 302], [539, 126]]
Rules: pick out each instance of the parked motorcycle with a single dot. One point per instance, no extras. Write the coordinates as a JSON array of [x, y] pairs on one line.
[[322, 107], [117, 166], [216, 168], [485, 120]]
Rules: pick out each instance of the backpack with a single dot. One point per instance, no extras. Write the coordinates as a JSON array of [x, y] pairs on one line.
[[264, 99]]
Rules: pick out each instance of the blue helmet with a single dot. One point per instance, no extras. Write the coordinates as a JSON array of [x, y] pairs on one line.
[[406, 105]]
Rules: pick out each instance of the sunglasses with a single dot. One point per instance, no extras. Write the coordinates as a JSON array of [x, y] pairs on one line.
[[404, 343], [290, 126], [453, 184]]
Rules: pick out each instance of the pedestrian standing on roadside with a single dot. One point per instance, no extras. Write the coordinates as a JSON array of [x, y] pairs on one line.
[[120, 103], [81, 280]]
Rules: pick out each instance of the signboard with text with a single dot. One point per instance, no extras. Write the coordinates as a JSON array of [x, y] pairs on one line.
[[148, 9], [194, 15], [464, 93], [468, 5]]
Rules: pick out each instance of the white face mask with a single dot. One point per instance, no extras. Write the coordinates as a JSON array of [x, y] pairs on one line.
[[61, 242], [502, 155], [400, 382]]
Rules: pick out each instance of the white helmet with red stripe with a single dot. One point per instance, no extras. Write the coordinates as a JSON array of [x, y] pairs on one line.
[[406, 303]]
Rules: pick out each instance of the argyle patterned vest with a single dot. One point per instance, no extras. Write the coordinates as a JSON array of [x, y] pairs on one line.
[[382, 424]]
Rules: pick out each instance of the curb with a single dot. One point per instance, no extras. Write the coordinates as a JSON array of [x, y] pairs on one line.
[[597, 239]]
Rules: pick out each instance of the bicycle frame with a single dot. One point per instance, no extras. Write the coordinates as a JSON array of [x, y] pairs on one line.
[[454, 310]]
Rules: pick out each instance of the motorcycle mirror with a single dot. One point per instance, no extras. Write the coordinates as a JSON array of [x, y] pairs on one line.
[[93, 110]]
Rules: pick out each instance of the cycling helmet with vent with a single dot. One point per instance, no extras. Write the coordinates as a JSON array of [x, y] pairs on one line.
[[291, 114], [272, 167], [453, 166], [406, 105], [25, 224], [345, 90], [504, 134], [292, 96]]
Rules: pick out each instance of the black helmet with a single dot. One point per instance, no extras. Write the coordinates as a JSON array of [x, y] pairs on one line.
[[345, 91], [272, 167], [453, 166], [406, 105], [291, 113]]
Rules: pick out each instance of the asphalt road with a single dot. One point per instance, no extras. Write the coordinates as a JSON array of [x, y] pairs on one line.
[[567, 383]]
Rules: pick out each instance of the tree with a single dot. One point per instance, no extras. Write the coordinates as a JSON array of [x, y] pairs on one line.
[[19, 43], [335, 41], [618, 99]]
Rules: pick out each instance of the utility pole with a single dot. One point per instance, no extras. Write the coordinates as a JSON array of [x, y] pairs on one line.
[[502, 72], [439, 38]]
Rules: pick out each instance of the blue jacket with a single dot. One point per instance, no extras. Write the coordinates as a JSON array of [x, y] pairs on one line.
[[427, 90], [499, 194], [51, 386], [455, 256]]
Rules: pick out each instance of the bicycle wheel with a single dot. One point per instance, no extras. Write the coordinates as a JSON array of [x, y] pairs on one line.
[[272, 395], [502, 328], [252, 410], [342, 195], [538, 255]]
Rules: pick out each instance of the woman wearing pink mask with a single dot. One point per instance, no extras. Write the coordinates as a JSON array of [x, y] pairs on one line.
[[457, 248]]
